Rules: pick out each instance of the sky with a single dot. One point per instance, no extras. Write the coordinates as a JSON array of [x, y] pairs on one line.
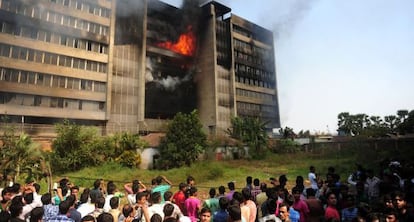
[[336, 56]]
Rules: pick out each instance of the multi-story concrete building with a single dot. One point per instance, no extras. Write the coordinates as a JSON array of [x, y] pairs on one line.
[[132, 65]]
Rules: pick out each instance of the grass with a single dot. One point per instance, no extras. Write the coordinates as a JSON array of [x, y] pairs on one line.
[[212, 173]]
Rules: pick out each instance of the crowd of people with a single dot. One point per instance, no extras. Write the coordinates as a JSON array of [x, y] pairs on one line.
[[363, 196]]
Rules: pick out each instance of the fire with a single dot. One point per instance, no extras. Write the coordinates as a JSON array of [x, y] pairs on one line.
[[185, 44]]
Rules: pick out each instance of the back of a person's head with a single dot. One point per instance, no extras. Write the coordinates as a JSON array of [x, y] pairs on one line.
[[100, 202], [46, 199], [170, 219], [105, 217], [256, 182], [158, 180], [127, 210], [156, 197], [156, 218], [168, 209], [223, 203], [212, 192], [181, 186], [15, 188], [231, 185], [263, 187], [36, 214], [310, 192], [168, 195], [271, 206], [64, 207], [97, 183], [234, 212], [111, 187], [71, 199], [94, 197], [84, 197], [135, 186], [193, 190], [247, 195], [88, 218], [282, 179], [249, 180], [221, 190], [28, 198], [37, 187], [15, 209], [4, 216], [114, 202]]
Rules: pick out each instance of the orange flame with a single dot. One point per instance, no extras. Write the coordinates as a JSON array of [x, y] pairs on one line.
[[185, 44]]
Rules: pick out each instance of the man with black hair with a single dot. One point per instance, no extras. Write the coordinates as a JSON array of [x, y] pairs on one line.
[[157, 207], [213, 202], [114, 211], [50, 210], [36, 215], [111, 189], [222, 215], [64, 207], [105, 217], [232, 189], [179, 196], [73, 213], [177, 213], [234, 213], [161, 188]]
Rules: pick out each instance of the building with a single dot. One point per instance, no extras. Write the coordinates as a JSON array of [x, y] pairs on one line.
[[131, 65]]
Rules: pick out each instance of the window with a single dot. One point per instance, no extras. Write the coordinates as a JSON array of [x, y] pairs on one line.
[[5, 50]]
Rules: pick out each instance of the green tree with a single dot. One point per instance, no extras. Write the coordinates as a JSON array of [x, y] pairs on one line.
[[74, 147], [407, 126], [183, 142], [19, 153], [251, 131]]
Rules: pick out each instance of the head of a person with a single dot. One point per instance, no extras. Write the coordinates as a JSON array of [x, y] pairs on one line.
[[247, 195], [312, 169], [190, 181], [263, 187], [16, 209], [168, 195], [105, 217], [205, 214], [223, 203], [84, 197], [64, 207], [234, 212], [283, 180], [88, 218], [135, 186], [46, 199], [74, 191], [391, 215], [231, 185], [310, 192], [388, 202], [399, 200], [71, 199], [128, 210], [331, 199], [249, 180], [110, 187], [212, 192], [284, 211], [238, 196], [97, 184], [256, 182], [222, 190], [36, 214], [156, 197], [156, 218], [296, 192], [114, 202], [168, 210], [193, 191], [141, 197], [182, 186], [158, 180], [7, 194], [100, 202]]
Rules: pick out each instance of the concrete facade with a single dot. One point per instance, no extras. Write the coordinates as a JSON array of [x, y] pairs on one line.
[[105, 63]]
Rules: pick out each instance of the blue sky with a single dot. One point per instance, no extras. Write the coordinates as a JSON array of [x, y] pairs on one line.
[[337, 56]]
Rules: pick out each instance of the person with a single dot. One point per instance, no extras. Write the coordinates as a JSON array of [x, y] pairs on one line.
[[212, 203], [221, 192], [73, 213], [114, 211], [141, 207], [315, 206], [179, 197], [62, 191], [190, 183], [294, 215], [87, 207], [36, 215], [156, 218], [205, 214], [161, 188], [232, 189], [50, 210], [350, 212], [234, 213], [99, 207], [168, 212], [16, 209], [249, 183], [222, 215], [168, 200], [192, 205], [284, 212], [255, 189], [110, 189], [405, 214], [132, 189], [299, 204], [129, 214], [331, 212], [87, 218], [98, 188], [250, 204], [157, 207], [271, 205], [391, 215], [313, 178], [64, 207], [238, 200], [105, 217], [372, 186], [6, 196], [261, 198]]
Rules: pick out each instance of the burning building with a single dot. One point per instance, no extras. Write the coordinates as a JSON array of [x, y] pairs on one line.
[[131, 65]]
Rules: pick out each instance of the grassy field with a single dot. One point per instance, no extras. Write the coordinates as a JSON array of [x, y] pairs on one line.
[[212, 173]]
